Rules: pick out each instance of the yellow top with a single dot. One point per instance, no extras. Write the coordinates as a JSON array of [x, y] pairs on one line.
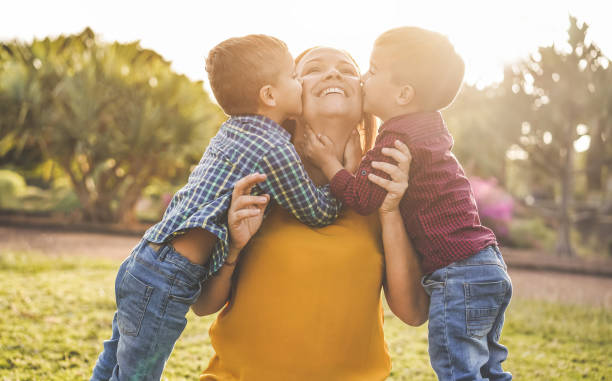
[[306, 305]]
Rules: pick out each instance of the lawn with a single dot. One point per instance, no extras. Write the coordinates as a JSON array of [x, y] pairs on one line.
[[57, 311]]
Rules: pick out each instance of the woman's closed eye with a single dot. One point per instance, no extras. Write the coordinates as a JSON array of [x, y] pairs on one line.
[[311, 70], [348, 70]]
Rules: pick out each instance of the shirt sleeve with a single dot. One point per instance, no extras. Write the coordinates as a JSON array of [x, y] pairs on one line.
[[357, 191], [290, 186]]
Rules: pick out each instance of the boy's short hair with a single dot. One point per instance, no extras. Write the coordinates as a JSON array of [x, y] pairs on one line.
[[240, 66], [427, 61]]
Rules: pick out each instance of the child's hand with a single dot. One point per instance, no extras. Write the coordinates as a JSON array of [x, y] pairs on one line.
[[246, 212], [318, 148], [399, 176], [353, 152]]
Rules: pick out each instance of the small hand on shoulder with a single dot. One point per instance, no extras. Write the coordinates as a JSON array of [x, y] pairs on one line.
[[318, 147], [320, 150]]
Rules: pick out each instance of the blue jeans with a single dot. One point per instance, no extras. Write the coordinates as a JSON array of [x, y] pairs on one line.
[[466, 316], [154, 290]]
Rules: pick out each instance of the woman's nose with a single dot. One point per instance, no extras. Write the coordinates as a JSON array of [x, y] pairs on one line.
[[333, 73]]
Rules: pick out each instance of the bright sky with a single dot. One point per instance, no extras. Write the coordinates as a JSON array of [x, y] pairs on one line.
[[487, 33]]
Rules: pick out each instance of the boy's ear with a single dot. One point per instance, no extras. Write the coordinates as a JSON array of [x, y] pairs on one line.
[[266, 96], [405, 96]]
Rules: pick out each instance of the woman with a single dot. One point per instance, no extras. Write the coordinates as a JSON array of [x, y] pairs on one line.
[[306, 302]]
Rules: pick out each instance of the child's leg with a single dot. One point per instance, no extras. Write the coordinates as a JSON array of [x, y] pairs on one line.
[[156, 291], [108, 358], [497, 352], [467, 298]]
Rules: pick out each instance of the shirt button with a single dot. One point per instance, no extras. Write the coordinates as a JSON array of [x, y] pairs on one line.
[[363, 172]]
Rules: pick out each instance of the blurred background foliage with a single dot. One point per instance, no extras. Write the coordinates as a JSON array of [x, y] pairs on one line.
[[107, 132], [103, 120], [538, 148]]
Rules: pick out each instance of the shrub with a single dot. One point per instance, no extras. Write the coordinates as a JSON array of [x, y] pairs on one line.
[[495, 205], [12, 185], [531, 233]]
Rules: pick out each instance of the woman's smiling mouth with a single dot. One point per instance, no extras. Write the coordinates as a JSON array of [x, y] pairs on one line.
[[332, 90]]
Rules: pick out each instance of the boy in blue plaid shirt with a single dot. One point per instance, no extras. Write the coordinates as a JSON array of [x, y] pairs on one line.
[[254, 81]]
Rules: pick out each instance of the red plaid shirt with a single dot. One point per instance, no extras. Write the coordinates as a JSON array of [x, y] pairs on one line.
[[438, 208]]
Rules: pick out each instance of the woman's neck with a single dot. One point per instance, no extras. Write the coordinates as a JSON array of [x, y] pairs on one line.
[[338, 130]]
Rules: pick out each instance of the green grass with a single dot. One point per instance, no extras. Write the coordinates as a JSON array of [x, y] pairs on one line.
[[56, 312]]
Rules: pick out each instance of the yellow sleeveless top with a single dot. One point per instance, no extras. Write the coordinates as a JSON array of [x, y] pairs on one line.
[[306, 305]]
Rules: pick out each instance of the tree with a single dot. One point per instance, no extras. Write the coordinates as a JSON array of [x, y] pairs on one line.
[[481, 138], [113, 116], [20, 103], [599, 155], [561, 87]]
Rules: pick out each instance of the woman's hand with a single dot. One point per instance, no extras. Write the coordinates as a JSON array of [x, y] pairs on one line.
[[399, 175], [353, 152], [244, 218], [246, 212]]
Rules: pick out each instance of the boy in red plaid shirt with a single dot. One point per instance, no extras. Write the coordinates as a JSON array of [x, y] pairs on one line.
[[414, 73]]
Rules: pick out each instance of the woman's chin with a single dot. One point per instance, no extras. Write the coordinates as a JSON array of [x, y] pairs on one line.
[[332, 107], [338, 111]]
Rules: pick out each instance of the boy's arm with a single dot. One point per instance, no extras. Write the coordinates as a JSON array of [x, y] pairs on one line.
[[357, 191], [290, 186]]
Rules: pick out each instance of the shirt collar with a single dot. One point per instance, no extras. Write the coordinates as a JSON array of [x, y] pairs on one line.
[[259, 124], [416, 125]]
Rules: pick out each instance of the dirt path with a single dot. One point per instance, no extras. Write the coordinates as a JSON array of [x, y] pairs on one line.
[[528, 284]]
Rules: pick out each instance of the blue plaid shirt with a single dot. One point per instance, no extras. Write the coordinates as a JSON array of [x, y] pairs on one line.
[[244, 145]]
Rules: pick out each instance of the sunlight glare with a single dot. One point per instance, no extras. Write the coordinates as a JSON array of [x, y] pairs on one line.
[[515, 152], [525, 128], [582, 144], [487, 34]]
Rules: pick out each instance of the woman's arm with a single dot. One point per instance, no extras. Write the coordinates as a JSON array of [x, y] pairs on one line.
[[403, 290], [244, 218]]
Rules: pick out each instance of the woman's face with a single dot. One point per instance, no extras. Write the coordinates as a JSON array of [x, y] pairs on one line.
[[331, 86]]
